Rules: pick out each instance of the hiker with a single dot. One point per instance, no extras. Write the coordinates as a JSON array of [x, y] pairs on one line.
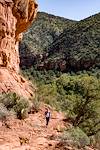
[[47, 116]]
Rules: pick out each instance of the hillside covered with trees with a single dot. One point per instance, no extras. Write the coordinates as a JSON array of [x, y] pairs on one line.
[[55, 43]]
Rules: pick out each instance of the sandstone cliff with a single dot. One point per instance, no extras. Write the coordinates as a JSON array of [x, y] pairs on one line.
[[15, 17]]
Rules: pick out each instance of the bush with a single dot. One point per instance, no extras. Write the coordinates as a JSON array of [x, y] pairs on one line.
[[13, 104], [77, 136], [9, 100], [82, 96], [21, 108]]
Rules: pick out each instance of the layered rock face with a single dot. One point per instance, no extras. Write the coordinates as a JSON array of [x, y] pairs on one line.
[[15, 17]]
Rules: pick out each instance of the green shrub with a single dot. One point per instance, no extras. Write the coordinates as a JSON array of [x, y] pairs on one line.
[[21, 108], [13, 104], [9, 100], [82, 95], [77, 136]]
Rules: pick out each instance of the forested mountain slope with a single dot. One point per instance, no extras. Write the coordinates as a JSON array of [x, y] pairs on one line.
[[42, 33], [80, 45], [55, 43]]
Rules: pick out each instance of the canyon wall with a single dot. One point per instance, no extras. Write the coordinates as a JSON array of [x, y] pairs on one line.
[[15, 17]]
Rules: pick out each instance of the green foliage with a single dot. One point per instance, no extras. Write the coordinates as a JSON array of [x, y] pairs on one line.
[[40, 77], [21, 108], [77, 136], [76, 44], [54, 41], [78, 96], [80, 45], [13, 104], [84, 93], [9, 100], [43, 31]]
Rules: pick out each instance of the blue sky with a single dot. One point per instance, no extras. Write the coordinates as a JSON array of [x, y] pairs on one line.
[[71, 9]]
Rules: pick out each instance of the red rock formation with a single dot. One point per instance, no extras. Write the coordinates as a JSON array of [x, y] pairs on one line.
[[15, 17]]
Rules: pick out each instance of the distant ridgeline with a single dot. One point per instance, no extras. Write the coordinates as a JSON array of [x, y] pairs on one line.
[[56, 43]]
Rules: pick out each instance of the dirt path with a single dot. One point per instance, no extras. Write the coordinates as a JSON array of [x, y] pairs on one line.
[[31, 133]]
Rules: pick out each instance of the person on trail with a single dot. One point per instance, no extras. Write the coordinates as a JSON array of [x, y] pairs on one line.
[[47, 116]]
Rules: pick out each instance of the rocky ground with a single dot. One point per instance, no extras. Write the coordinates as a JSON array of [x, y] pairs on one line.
[[32, 134]]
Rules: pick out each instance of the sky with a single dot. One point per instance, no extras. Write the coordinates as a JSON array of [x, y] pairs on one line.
[[71, 9]]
